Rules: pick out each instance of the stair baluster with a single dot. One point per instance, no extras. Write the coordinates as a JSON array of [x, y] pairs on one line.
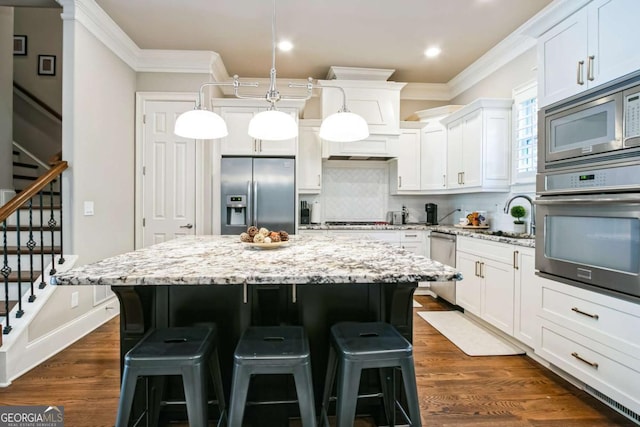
[[20, 311], [43, 284], [52, 226], [6, 270], [31, 244], [61, 258]]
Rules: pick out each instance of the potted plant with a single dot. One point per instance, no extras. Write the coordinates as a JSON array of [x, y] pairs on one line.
[[518, 225]]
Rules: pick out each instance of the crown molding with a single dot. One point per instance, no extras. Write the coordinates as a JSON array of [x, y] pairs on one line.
[[426, 91], [357, 73], [178, 61]]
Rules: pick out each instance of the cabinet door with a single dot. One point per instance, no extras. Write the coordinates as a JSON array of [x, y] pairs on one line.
[[469, 289], [528, 298], [562, 59], [408, 150], [309, 162], [238, 142], [612, 44], [433, 158], [454, 154], [497, 298], [472, 136]]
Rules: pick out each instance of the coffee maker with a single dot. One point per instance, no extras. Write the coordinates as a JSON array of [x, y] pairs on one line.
[[432, 213]]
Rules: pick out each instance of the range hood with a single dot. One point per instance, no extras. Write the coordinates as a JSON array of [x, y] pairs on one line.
[[381, 158], [376, 147]]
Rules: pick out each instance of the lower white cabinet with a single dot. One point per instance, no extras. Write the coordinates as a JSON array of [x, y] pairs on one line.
[[594, 338], [527, 297], [487, 289]]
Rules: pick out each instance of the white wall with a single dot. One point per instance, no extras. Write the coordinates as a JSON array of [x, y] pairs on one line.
[[6, 98]]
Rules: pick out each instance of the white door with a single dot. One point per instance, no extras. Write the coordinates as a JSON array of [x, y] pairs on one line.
[[169, 171]]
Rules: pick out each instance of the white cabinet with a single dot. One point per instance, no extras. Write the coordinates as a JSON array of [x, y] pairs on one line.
[[589, 48], [237, 116], [433, 157], [376, 146], [593, 337], [478, 146], [309, 160], [404, 171], [487, 288], [414, 241], [527, 297]]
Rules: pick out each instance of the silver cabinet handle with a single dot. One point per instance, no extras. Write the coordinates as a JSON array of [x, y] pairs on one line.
[[189, 226], [584, 313], [462, 173], [482, 270], [515, 260], [579, 78], [590, 61], [399, 182], [582, 359], [319, 183], [476, 269], [444, 180]]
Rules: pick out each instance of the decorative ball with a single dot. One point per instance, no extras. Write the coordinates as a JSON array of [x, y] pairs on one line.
[[284, 236], [258, 238], [244, 237], [264, 232], [267, 239], [252, 231], [274, 236]]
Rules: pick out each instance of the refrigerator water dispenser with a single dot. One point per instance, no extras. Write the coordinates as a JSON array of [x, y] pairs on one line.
[[237, 210]]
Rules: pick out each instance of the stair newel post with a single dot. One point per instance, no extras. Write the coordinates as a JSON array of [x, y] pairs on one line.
[[61, 258], [6, 270], [31, 244], [52, 226], [42, 282], [20, 311]]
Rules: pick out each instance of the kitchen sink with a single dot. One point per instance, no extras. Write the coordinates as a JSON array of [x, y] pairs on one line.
[[508, 234]]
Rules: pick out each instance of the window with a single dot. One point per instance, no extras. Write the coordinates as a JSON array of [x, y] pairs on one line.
[[525, 149]]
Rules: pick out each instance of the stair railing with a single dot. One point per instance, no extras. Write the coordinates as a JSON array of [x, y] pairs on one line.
[[39, 190]]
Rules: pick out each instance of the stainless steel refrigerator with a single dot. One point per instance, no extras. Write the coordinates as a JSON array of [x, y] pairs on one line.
[[257, 191]]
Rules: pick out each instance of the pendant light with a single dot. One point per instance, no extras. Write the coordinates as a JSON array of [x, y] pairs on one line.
[[270, 124]]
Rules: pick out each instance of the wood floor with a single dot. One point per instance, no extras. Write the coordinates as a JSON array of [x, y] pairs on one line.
[[454, 389]]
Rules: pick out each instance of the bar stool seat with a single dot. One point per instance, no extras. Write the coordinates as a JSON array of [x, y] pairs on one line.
[[190, 352], [272, 350], [362, 345]]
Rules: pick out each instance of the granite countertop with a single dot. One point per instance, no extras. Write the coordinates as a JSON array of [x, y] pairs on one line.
[[224, 260], [450, 229]]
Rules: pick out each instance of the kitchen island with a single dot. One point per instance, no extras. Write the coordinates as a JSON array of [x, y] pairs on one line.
[[313, 281]]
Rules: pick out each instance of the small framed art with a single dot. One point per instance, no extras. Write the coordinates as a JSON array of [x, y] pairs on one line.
[[46, 65], [19, 45]]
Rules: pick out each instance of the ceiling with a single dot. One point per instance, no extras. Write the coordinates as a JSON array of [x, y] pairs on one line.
[[348, 33]]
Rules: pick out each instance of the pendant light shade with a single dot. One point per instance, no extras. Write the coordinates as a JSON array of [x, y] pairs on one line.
[[200, 124], [344, 126], [273, 125]]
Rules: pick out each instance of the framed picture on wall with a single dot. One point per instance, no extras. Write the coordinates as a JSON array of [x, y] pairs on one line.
[[19, 45], [46, 65]]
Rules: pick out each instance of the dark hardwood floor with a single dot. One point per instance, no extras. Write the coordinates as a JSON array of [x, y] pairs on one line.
[[454, 389]]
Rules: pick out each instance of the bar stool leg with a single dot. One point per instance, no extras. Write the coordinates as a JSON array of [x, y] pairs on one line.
[[127, 392], [332, 364], [195, 387], [347, 395], [304, 388], [216, 377], [411, 390], [240, 387], [388, 386]]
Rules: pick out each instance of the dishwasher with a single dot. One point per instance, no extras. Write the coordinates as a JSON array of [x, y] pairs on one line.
[[443, 250]]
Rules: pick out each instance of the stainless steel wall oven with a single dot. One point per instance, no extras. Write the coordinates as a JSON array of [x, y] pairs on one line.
[[588, 190]]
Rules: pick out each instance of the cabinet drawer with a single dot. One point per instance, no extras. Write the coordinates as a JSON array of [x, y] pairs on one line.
[[486, 249], [602, 318], [612, 373], [414, 236]]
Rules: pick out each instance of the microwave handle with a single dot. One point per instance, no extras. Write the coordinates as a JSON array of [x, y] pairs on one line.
[[599, 200]]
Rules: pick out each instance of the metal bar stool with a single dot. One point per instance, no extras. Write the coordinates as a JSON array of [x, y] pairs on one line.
[[190, 352], [272, 350], [362, 345]]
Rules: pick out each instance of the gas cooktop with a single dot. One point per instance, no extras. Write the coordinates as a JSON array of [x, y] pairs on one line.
[[356, 223]]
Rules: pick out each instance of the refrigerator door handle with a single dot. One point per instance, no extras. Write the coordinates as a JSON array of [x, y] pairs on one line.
[[249, 203], [255, 203]]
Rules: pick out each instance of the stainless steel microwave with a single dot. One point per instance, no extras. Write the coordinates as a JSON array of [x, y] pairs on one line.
[[591, 128]]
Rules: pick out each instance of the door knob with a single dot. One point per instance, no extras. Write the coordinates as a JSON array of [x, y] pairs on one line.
[[189, 226]]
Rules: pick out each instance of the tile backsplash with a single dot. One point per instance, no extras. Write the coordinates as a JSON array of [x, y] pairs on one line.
[[359, 191]]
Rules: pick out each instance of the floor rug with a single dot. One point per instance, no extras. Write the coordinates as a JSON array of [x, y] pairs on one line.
[[416, 304], [468, 336]]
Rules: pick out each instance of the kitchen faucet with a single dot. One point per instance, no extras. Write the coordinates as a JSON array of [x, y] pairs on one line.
[[533, 210]]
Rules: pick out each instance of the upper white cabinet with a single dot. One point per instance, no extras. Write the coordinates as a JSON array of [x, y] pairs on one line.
[[591, 47], [404, 171], [478, 146], [237, 114], [433, 156], [309, 160]]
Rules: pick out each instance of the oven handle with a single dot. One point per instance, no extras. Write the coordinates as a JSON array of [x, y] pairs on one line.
[[596, 199]]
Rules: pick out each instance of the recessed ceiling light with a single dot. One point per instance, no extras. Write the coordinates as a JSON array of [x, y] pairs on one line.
[[285, 46], [432, 52]]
